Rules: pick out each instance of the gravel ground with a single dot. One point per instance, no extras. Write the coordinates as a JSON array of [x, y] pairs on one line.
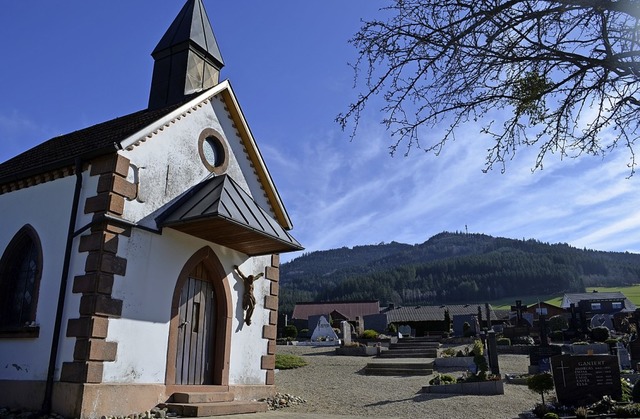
[[335, 385]]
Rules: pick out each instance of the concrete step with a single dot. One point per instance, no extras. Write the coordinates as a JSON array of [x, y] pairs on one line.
[[409, 353], [205, 397], [399, 368], [216, 408], [397, 372], [428, 345]]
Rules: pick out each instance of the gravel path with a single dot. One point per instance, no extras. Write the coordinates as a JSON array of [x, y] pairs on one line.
[[335, 385]]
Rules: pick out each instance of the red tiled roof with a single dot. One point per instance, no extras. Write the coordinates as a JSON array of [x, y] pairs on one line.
[[350, 309], [89, 142]]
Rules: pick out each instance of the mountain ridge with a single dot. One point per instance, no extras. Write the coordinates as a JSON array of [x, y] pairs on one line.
[[451, 267]]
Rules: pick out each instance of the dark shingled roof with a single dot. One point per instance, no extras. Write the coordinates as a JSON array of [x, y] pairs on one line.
[[433, 313], [93, 141]]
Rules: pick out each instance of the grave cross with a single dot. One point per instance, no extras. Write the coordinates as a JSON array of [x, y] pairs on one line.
[[518, 308], [562, 368]]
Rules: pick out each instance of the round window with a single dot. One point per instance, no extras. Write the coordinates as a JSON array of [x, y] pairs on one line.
[[213, 151]]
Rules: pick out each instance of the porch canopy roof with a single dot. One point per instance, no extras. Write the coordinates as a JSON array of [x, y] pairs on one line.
[[220, 211]]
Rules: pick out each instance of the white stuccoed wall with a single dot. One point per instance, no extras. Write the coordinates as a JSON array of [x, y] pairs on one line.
[[47, 208], [153, 265], [171, 166], [171, 163]]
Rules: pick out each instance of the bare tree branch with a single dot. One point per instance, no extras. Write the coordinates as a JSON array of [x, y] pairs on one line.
[[562, 74]]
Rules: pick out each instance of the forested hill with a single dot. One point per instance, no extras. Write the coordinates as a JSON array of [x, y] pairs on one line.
[[451, 268]]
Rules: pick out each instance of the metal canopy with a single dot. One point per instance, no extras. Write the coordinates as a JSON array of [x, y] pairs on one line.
[[191, 26], [220, 211]]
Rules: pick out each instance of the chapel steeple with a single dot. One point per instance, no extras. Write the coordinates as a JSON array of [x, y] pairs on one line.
[[187, 58]]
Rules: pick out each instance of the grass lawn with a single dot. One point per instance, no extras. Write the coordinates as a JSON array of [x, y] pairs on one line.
[[287, 362]]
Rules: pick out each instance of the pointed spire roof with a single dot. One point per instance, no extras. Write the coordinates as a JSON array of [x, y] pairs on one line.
[[191, 26]]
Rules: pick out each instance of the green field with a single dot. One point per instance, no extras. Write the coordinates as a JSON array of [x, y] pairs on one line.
[[631, 292]]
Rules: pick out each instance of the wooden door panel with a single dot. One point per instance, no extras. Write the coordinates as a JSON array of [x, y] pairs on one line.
[[196, 331]]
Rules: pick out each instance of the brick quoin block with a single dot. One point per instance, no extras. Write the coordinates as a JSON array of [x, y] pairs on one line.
[[96, 282], [81, 372], [270, 302], [95, 350], [271, 347], [272, 274], [104, 202], [101, 305], [268, 362], [275, 260], [269, 332], [270, 378], [99, 241], [112, 163], [275, 289], [105, 262], [88, 327], [116, 184], [273, 317]]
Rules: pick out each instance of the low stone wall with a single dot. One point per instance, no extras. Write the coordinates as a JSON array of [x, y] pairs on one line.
[[453, 362], [480, 388], [358, 350], [514, 349]]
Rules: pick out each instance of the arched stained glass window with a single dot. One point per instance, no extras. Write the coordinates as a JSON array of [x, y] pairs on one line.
[[20, 272]]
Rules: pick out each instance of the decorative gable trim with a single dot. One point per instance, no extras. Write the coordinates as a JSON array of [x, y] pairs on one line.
[[225, 92]]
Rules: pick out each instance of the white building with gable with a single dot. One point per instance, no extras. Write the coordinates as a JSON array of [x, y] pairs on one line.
[[118, 244]]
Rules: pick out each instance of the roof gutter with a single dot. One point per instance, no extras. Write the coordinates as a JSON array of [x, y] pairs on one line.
[[53, 358]]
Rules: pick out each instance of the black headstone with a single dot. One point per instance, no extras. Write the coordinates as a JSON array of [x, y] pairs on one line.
[[582, 380], [539, 356]]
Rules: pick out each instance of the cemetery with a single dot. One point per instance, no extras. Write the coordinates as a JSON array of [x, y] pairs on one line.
[[580, 363]]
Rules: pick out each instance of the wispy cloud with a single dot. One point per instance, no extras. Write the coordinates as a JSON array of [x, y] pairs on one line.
[[348, 193]]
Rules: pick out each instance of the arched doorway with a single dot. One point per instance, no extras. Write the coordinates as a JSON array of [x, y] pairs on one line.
[[200, 329]]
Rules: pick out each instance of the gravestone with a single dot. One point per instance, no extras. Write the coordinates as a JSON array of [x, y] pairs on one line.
[[492, 348], [539, 357], [404, 330], [602, 320], [345, 328], [634, 348], [584, 379], [323, 331], [623, 357]]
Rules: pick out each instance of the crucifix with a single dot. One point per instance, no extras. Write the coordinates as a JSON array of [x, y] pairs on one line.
[[248, 300]]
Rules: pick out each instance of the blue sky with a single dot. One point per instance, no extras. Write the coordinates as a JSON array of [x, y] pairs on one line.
[[68, 64]]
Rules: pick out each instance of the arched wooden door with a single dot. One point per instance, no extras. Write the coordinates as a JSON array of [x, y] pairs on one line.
[[200, 328], [196, 329]]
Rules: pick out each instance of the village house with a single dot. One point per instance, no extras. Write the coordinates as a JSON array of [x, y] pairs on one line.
[[140, 256]]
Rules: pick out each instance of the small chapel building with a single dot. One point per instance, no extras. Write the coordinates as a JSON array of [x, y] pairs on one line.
[[139, 257]]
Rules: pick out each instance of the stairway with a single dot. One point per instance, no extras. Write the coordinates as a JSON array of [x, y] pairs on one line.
[[399, 368], [412, 348], [219, 401]]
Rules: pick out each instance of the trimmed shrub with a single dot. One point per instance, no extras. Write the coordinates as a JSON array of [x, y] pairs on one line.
[[557, 323], [503, 341], [540, 383], [290, 331], [369, 334], [600, 334], [556, 336], [551, 415]]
